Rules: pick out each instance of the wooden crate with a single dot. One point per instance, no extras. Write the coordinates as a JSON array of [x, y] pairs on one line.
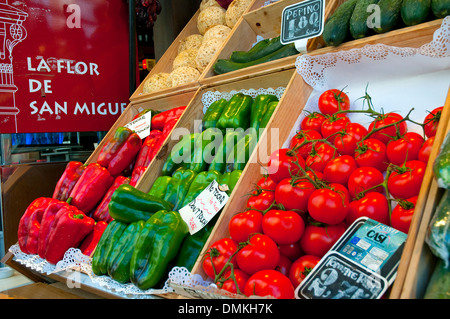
[[417, 261], [164, 64]]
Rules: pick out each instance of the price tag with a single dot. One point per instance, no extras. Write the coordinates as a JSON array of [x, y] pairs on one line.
[[204, 207], [302, 21], [141, 125], [361, 265]]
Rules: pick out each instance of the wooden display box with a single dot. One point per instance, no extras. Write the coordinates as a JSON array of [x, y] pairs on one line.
[[418, 261]]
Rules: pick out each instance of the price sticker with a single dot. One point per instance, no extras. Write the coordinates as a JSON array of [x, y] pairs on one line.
[[204, 207], [302, 21], [141, 125]]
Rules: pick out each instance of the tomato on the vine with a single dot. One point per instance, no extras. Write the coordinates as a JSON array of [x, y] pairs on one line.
[[373, 205], [318, 239], [363, 179], [405, 181], [402, 214], [371, 152], [283, 226], [284, 264], [332, 125], [339, 169], [306, 137], [320, 155], [346, 141], [243, 224], [301, 267], [332, 101], [425, 150], [312, 121], [405, 148], [328, 206], [265, 183], [431, 122], [269, 282], [229, 284], [294, 194], [261, 201], [291, 251], [218, 255], [260, 252], [284, 163], [389, 125]]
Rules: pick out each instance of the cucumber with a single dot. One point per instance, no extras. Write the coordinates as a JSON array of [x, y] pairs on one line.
[[358, 20], [415, 11], [441, 165], [440, 8], [336, 28], [439, 285], [389, 15], [224, 66], [259, 50]]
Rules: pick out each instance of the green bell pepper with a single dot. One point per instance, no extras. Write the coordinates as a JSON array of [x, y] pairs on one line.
[[105, 245], [129, 204], [158, 244], [200, 182], [219, 162], [236, 113], [204, 146], [259, 108], [119, 260], [242, 151], [159, 187], [230, 179], [178, 187], [213, 113], [267, 116], [181, 153]]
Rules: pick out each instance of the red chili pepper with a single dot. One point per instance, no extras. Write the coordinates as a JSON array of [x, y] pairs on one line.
[[137, 173], [101, 213], [160, 120], [30, 224], [48, 218], [91, 187], [119, 151], [68, 179], [69, 228], [90, 242], [144, 156]]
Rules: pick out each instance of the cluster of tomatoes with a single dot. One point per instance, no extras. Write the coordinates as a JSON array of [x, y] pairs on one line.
[[333, 172]]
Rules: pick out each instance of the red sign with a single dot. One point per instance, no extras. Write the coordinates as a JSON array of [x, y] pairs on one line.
[[63, 65]]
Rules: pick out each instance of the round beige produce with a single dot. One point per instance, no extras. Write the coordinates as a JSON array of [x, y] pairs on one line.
[[235, 10], [183, 75], [207, 52], [193, 41], [156, 82], [208, 3], [185, 58], [218, 31], [210, 17]]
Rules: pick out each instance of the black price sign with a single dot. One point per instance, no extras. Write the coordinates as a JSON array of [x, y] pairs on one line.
[[303, 20]]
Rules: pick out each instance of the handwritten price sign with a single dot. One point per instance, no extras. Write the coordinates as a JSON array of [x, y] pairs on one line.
[[204, 207]]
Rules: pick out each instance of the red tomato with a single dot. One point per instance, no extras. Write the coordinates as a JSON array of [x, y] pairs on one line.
[[269, 282], [341, 190], [364, 178], [283, 163], [402, 214], [294, 195], [318, 239], [218, 255], [373, 205], [260, 253], [332, 125], [261, 201], [312, 121], [265, 183], [339, 169], [346, 142], [425, 150], [283, 226], [327, 206], [405, 182], [242, 225], [321, 154], [405, 148], [284, 264], [387, 133], [332, 101], [431, 122], [291, 251], [303, 141], [230, 285], [301, 268], [371, 152]]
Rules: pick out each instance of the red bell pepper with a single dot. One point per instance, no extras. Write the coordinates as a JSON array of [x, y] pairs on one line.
[[68, 179], [69, 228], [91, 187], [30, 224], [120, 150], [90, 242], [48, 218], [144, 156], [145, 111], [137, 173], [101, 213], [160, 120], [167, 129]]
